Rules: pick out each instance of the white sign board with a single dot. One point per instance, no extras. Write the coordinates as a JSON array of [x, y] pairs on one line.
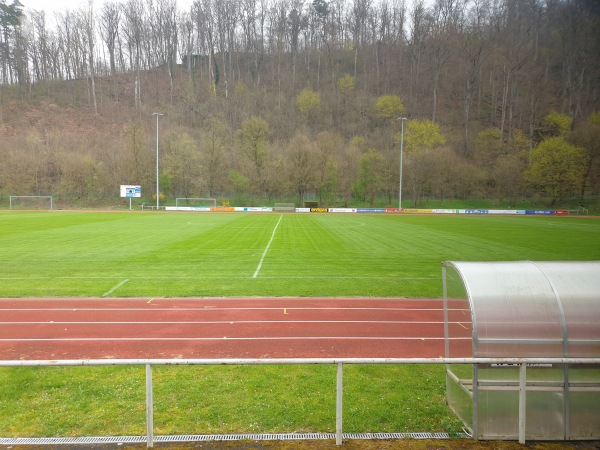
[[128, 191]]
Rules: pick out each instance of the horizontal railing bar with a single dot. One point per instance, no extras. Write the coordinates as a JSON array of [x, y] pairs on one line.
[[292, 361]]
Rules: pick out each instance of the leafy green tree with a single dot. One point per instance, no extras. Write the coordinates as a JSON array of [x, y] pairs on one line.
[[557, 168], [10, 14], [555, 124], [10, 17], [389, 107], [360, 142], [421, 138], [586, 134], [321, 7], [346, 85], [421, 135], [308, 101]]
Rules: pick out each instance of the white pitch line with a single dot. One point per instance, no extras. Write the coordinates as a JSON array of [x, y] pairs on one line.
[[267, 249], [229, 277], [106, 294]]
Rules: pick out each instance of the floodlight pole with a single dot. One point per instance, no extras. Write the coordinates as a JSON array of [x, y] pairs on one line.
[[401, 119], [157, 114]]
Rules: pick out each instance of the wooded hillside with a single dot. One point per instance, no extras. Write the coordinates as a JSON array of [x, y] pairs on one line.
[[283, 99]]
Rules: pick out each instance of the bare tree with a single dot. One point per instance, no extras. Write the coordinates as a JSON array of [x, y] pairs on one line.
[[134, 32], [302, 160], [216, 140], [110, 21], [203, 17], [253, 16], [87, 21], [418, 37], [446, 22]]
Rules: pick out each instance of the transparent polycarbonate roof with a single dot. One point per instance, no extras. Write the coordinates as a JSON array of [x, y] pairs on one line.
[[529, 309]]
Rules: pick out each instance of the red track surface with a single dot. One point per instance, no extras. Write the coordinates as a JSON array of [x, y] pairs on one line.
[[140, 328]]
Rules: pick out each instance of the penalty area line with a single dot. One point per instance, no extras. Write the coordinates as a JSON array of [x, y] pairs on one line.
[[107, 293], [267, 249]]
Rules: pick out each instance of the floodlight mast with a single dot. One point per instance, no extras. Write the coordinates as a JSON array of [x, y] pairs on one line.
[[157, 114], [401, 119]]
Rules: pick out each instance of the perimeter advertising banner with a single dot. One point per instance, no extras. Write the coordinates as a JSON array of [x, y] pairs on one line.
[[135, 191], [253, 209], [370, 210], [342, 210]]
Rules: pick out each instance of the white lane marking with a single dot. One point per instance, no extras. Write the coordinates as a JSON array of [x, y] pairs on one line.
[[228, 322], [106, 294], [267, 249], [308, 308], [283, 338]]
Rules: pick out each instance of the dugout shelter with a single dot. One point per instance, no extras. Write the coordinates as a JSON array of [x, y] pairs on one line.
[[524, 309]]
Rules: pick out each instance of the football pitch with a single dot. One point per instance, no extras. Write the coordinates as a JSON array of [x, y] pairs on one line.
[[135, 254]]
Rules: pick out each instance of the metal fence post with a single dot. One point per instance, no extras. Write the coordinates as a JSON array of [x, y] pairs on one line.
[[149, 408], [339, 404], [522, 401]]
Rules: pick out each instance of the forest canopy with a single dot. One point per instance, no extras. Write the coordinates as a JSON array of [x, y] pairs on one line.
[[290, 99]]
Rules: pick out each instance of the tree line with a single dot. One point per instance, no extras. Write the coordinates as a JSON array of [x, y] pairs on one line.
[[276, 98]]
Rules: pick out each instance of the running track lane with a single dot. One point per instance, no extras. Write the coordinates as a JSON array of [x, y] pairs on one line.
[[211, 328]]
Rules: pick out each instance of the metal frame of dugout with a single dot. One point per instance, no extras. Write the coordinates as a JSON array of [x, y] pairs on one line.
[[519, 310]]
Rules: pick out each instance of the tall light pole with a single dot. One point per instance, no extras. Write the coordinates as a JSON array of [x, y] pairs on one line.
[[401, 119], [157, 190]]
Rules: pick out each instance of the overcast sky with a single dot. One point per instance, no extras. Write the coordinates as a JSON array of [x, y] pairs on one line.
[[51, 6]]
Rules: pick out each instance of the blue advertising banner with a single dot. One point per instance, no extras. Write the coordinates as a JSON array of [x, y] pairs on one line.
[[370, 210], [539, 211]]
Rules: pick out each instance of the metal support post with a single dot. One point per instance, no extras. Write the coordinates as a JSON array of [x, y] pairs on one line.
[[339, 404], [401, 119], [522, 401], [149, 408], [157, 114]]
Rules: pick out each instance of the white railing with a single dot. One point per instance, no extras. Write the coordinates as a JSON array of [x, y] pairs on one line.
[[339, 362], [152, 207]]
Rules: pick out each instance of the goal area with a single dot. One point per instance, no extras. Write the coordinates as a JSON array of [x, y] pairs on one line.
[[284, 207], [27, 202], [195, 202]]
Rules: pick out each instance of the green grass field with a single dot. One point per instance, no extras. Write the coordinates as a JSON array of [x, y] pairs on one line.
[[169, 255], [127, 254]]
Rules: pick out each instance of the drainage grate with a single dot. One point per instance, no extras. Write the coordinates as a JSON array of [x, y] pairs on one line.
[[221, 437], [74, 440]]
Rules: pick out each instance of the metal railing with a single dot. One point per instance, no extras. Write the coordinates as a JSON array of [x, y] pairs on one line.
[[152, 207], [339, 362]]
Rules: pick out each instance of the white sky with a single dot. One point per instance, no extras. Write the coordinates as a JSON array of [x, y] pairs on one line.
[[52, 6]]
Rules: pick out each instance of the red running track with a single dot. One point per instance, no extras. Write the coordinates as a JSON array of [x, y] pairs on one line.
[[239, 328]]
